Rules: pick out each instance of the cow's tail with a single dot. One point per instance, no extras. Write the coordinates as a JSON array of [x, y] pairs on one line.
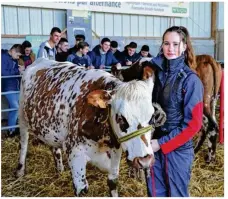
[[217, 73]]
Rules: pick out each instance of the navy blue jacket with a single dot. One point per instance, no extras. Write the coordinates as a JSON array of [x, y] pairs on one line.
[[126, 57], [9, 67], [179, 91], [118, 55], [84, 60], [95, 57]]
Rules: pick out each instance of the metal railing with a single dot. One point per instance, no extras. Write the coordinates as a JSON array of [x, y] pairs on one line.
[[9, 109]]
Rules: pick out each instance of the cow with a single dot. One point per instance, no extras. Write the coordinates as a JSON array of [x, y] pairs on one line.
[[90, 114], [210, 73]]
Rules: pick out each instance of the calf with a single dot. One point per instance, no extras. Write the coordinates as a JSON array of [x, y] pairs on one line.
[[91, 114]]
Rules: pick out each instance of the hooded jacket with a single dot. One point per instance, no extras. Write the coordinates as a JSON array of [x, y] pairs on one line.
[[9, 67], [126, 57], [46, 51], [179, 91], [95, 57]]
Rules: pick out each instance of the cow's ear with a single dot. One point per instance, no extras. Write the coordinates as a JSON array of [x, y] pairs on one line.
[[147, 72], [99, 98]]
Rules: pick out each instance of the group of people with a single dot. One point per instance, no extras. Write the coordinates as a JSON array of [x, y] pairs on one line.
[[20, 56], [177, 89], [104, 54]]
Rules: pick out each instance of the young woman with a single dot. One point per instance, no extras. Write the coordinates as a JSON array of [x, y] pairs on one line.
[[179, 91]]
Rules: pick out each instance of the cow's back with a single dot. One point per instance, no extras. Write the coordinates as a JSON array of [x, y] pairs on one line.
[[55, 100]]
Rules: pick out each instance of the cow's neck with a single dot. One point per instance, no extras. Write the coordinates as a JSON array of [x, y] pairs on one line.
[[150, 83]]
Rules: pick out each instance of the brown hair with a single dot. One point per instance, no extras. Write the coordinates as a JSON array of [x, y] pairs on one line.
[[190, 59]]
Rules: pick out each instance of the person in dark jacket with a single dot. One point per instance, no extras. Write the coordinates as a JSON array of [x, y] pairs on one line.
[[129, 55], [145, 51], [27, 57], [80, 57], [179, 91], [62, 50], [102, 56], [115, 51], [78, 38], [9, 68]]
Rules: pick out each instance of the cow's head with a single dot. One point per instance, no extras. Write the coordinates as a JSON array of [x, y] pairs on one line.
[[130, 110]]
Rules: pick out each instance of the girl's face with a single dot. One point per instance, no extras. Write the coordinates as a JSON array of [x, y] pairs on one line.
[[172, 45]]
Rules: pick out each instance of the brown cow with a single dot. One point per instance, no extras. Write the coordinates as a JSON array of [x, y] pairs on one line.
[[210, 73]]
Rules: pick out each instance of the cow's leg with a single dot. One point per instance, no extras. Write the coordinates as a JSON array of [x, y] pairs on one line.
[[77, 163], [24, 136], [212, 139], [202, 134], [58, 159], [114, 171]]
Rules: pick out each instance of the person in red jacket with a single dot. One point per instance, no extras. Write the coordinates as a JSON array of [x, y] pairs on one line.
[[179, 91]]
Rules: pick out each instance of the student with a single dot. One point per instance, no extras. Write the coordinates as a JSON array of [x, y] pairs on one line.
[[80, 57], [145, 51], [179, 91], [129, 55], [115, 51], [62, 50], [78, 38], [27, 57], [102, 56], [48, 48], [10, 67]]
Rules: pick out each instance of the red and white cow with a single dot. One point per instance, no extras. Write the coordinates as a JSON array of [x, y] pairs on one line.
[[91, 114]]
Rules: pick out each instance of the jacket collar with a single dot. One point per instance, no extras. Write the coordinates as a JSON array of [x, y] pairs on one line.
[[171, 65]]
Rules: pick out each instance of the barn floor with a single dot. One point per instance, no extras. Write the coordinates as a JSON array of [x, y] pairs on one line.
[[42, 179]]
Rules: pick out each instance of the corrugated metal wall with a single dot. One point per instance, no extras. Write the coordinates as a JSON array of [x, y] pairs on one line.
[[198, 23], [37, 21], [31, 21], [220, 16]]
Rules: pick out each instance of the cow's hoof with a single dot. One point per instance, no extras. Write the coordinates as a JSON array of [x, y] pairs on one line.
[[209, 160], [60, 170], [83, 192], [19, 173], [114, 193]]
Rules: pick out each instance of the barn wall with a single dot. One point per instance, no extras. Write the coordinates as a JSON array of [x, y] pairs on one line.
[[31, 21], [140, 28], [153, 26]]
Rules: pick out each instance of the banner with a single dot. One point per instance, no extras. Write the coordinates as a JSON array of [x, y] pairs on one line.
[[175, 9]]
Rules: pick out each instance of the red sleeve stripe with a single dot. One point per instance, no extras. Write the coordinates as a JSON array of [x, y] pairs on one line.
[[193, 127]]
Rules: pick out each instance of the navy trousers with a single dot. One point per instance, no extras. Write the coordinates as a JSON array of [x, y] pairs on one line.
[[170, 175]]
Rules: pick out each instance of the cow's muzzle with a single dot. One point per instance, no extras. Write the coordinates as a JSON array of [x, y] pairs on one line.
[[143, 162]]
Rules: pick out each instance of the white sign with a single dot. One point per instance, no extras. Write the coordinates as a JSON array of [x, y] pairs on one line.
[[176, 9]]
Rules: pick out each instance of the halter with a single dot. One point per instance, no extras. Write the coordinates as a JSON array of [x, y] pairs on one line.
[[129, 136]]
